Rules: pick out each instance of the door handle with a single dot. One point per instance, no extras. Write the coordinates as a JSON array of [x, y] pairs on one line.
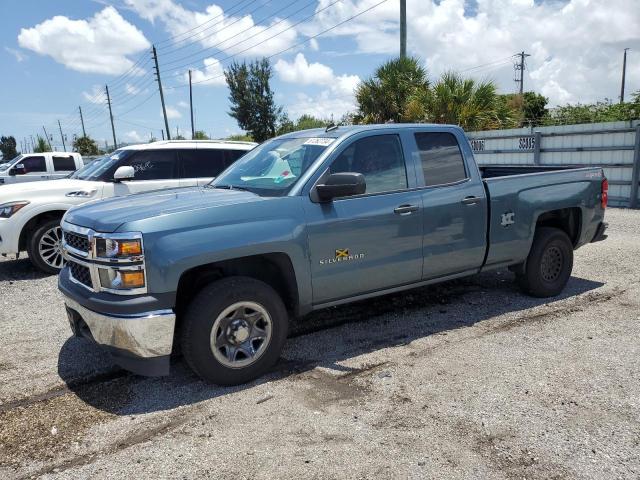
[[471, 200], [405, 209]]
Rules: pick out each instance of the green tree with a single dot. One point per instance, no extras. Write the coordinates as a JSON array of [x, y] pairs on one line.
[[41, 145], [305, 122], [200, 135], [395, 92], [534, 108], [251, 98], [465, 102], [602, 111], [240, 138], [86, 146], [8, 147]]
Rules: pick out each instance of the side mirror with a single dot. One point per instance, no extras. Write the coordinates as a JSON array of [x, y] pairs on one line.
[[124, 173], [341, 185], [17, 169]]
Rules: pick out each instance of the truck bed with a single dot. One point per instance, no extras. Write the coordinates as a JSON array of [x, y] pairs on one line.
[[518, 196]]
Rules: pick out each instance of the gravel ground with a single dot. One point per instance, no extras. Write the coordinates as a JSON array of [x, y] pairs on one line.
[[469, 379]]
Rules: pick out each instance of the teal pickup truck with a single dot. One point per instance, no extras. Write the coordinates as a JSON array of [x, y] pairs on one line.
[[305, 221]]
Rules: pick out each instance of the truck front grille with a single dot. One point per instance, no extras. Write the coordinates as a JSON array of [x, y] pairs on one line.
[[76, 241], [80, 273]]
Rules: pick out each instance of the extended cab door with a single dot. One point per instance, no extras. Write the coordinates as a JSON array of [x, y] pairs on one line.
[[34, 169], [454, 203], [367, 242], [62, 165]]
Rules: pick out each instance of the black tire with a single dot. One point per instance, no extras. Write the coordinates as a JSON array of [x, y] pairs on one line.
[[47, 265], [201, 315], [549, 263]]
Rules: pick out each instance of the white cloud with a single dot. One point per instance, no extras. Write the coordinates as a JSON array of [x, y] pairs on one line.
[[131, 89], [302, 72], [575, 45], [134, 136], [237, 35], [17, 54], [100, 44], [172, 113], [212, 74], [96, 95], [337, 98], [183, 104]]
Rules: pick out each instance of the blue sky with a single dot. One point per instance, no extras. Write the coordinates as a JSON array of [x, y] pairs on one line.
[[59, 55]]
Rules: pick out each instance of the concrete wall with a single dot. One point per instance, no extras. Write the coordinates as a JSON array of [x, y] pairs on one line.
[[614, 146]]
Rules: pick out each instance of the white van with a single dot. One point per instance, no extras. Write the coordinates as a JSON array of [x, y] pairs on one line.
[[31, 167]]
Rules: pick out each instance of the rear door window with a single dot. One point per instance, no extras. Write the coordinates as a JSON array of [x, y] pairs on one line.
[[153, 164], [202, 163], [34, 164], [64, 163], [440, 157]]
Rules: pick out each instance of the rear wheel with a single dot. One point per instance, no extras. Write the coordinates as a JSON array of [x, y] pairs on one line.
[[45, 247], [234, 330], [549, 263]]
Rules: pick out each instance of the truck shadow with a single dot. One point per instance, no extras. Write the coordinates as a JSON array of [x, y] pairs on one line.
[[324, 339], [21, 269]]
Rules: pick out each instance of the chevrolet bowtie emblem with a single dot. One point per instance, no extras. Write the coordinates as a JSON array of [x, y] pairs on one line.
[[342, 252]]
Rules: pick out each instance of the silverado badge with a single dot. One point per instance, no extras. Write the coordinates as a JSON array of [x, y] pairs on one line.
[[341, 255]]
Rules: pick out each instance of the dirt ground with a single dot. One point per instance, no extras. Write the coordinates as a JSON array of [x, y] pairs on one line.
[[470, 379]]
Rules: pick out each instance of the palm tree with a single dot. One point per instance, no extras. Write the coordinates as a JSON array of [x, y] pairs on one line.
[[467, 103], [393, 93]]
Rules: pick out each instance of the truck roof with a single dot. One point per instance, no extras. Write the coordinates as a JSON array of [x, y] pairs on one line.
[[345, 130]]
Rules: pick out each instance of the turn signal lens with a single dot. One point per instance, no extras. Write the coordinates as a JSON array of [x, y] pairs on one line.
[[129, 248], [134, 279]]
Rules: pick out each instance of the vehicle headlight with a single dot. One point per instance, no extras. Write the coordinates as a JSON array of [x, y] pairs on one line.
[[8, 209], [119, 279], [117, 248]]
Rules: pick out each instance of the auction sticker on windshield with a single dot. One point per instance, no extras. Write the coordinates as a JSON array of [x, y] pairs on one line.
[[322, 141]]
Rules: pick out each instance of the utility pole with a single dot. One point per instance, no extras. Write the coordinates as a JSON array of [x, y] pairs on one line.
[[162, 132], [193, 130], [64, 147], [624, 73], [520, 67], [403, 28], [47, 137], [164, 110], [113, 129], [84, 134]]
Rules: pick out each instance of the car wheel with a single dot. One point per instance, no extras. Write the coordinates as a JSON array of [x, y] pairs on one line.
[[549, 263], [45, 247], [234, 330]]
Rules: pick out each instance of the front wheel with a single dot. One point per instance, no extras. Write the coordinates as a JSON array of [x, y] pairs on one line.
[[549, 263], [45, 247], [234, 330]]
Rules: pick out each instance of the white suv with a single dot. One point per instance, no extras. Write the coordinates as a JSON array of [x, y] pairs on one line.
[[30, 213]]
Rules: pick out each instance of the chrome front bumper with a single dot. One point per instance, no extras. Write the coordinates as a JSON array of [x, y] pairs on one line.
[[144, 335]]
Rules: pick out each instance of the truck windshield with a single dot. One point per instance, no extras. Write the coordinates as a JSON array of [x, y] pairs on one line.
[[100, 167], [273, 168], [4, 165]]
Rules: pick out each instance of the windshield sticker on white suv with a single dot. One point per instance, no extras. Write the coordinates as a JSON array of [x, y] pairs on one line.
[[322, 141]]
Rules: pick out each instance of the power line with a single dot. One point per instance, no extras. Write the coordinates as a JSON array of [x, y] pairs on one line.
[[308, 39], [244, 32], [174, 37], [200, 39]]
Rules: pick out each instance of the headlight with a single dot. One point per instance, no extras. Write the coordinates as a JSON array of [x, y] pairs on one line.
[[112, 248], [117, 279], [8, 209]]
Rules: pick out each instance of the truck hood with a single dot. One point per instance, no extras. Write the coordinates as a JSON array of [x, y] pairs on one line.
[[47, 188], [108, 215]]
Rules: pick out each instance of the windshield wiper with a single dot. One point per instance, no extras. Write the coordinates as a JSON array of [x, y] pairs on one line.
[[227, 187]]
